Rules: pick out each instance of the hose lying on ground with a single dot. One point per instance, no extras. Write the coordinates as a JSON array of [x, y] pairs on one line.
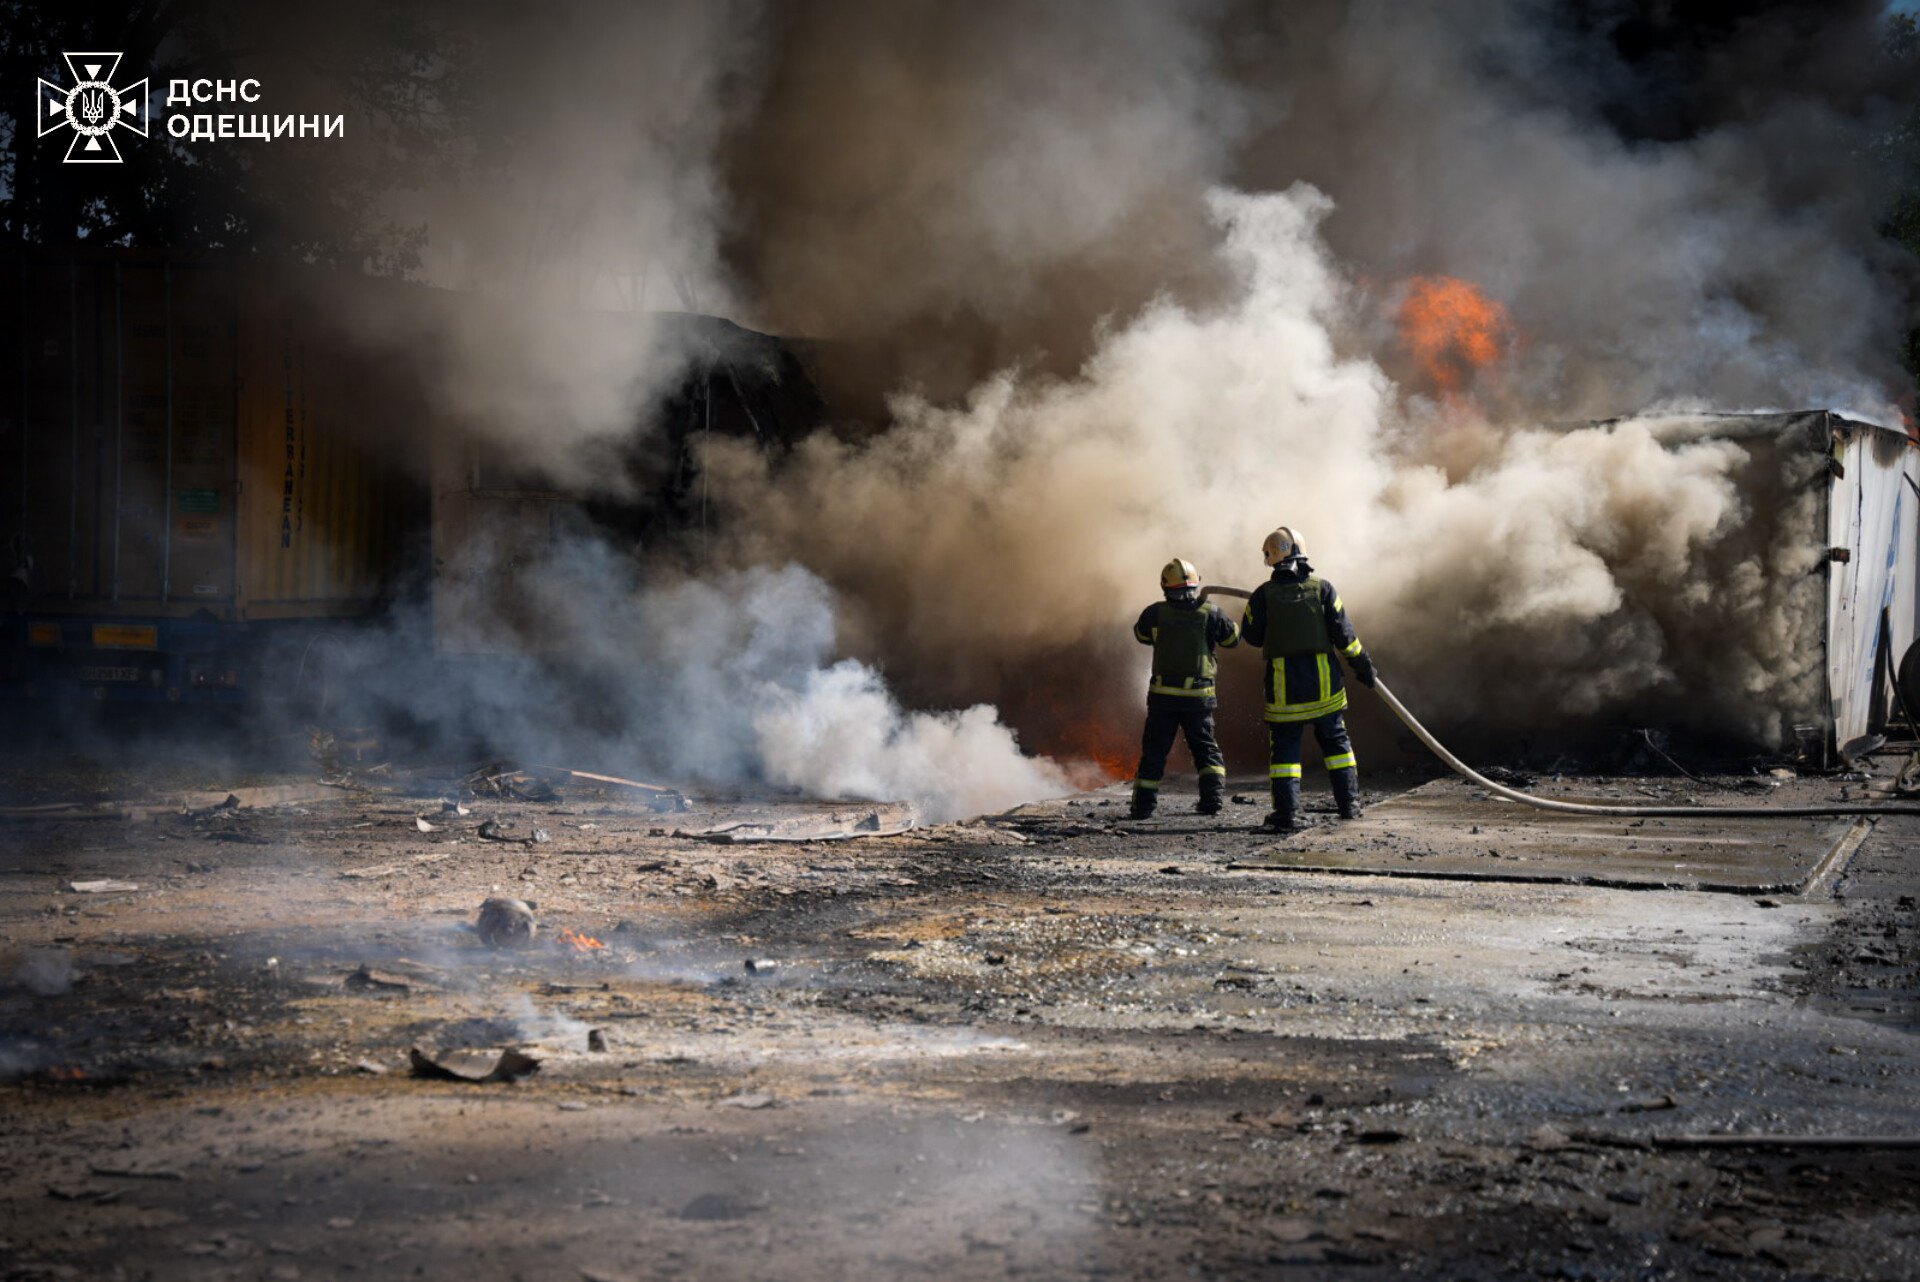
[[1591, 808]]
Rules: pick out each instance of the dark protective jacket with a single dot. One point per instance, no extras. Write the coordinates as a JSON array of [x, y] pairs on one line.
[[1184, 637], [1299, 622]]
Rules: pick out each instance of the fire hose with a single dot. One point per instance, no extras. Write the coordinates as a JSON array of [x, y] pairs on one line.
[[1461, 768]]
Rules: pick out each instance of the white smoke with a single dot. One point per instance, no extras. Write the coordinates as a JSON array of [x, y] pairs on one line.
[[723, 679], [1573, 568]]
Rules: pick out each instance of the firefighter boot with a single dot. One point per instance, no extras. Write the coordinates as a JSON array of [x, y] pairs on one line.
[[1286, 806], [1144, 800], [1346, 792], [1213, 789]]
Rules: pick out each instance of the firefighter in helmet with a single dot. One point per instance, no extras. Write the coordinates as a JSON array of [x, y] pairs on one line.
[[1300, 624], [1184, 631]]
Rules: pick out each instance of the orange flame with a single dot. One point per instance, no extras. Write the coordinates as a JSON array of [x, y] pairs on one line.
[[64, 1074], [580, 942], [1102, 745], [1452, 329]]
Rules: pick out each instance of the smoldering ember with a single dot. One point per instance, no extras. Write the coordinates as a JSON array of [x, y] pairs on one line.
[[820, 639]]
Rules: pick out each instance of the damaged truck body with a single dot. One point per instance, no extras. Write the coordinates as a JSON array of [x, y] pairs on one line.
[[1834, 554], [211, 485]]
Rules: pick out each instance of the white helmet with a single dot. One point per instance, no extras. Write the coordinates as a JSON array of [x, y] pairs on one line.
[[1179, 574], [1282, 544]]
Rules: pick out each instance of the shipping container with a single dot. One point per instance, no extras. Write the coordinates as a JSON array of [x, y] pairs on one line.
[[1832, 555], [201, 476]]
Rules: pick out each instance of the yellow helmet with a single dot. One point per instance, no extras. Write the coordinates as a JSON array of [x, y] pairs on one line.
[[1179, 574], [1281, 544]]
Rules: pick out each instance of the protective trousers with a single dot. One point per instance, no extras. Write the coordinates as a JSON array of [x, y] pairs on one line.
[[1157, 741], [1283, 763]]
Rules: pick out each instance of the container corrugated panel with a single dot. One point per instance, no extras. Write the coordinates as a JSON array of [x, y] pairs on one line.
[[328, 439], [189, 438], [123, 391]]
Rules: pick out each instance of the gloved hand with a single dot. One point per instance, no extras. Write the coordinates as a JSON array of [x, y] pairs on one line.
[[1364, 670]]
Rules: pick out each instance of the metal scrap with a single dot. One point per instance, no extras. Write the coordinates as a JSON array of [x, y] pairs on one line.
[[882, 821], [471, 1066], [507, 923]]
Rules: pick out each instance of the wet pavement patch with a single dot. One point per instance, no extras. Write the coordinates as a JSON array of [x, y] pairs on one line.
[[1448, 830]]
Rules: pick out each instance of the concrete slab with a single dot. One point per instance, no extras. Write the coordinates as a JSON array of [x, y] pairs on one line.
[[1451, 830]]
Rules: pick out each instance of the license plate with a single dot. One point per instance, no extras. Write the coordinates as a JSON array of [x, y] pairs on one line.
[[99, 673], [125, 636]]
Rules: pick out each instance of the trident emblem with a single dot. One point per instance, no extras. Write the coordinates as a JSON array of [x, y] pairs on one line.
[[93, 108]]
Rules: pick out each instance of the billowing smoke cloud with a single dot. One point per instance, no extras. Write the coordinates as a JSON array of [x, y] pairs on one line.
[[724, 679], [1125, 276], [1497, 557], [1576, 568]]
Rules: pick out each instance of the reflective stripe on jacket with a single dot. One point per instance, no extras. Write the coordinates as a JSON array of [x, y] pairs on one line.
[[1301, 686]]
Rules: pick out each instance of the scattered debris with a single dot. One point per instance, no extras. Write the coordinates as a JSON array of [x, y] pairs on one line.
[[81, 1193], [472, 1066], [364, 980], [717, 1206], [748, 1099], [135, 1173], [659, 797], [104, 886], [1656, 1104], [883, 821], [597, 1041], [1786, 1141], [423, 825], [372, 1068], [507, 923], [387, 870], [232, 802]]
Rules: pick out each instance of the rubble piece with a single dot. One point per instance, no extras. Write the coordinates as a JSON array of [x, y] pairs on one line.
[[1653, 1104], [476, 1067], [387, 870], [450, 806], [717, 1206], [597, 1040], [507, 923], [660, 796], [135, 1173], [81, 1193], [1797, 1142], [232, 802], [200, 803], [879, 821], [423, 826], [748, 1099], [104, 886], [366, 980], [490, 830], [500, 780]]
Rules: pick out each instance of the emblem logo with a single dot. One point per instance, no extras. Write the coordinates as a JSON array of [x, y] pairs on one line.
[[93, 108]]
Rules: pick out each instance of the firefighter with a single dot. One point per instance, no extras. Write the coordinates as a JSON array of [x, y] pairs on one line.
[[1300, 623], [1184, 631]]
